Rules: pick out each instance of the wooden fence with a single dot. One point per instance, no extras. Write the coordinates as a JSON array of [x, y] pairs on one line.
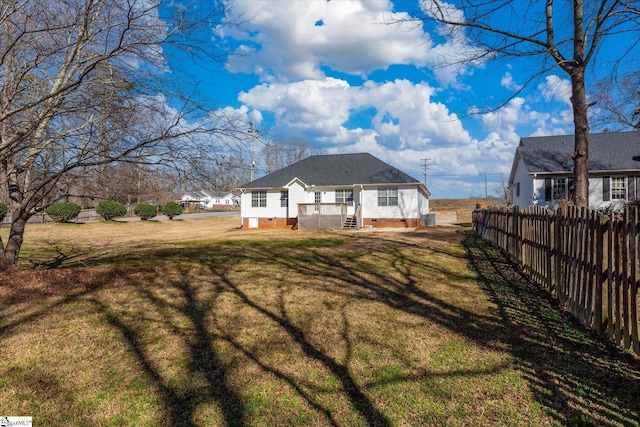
[[587, 261], [85, 215]]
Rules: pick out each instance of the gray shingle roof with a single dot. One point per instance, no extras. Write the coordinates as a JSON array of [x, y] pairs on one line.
[[335, 170], [611, 151]]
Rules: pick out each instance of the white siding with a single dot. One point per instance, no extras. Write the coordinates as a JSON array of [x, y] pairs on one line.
[[297, 195], [272, 210], [527, 190], [408, 205]]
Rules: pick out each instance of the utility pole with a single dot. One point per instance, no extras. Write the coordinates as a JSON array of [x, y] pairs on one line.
[[486, 189], [253, 162], [425, 166]]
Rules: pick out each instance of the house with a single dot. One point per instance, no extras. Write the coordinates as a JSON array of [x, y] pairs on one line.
[[542, 170], [329, 191], [210, 199]]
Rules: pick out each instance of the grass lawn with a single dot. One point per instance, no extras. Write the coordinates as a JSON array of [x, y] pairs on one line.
[[197, 323]]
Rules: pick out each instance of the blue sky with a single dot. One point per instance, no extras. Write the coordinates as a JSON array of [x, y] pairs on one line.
[[336, 75]]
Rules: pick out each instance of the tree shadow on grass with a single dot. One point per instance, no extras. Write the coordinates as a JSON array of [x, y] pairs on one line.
[[386, 272], [181, 400], [581, 379]]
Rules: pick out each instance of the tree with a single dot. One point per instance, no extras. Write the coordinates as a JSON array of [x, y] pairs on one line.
[[63, 211], [110, 209], [565, 38], [145, 211], [172, 209], [618, 101], [278, 154], [82, 86]]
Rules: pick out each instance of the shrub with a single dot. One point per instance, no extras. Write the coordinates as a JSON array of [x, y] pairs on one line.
[[63, 211], [110, 209], [3, 211], [145, 211], [172, 209]]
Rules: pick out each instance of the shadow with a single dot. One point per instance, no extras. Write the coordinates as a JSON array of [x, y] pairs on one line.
[[356, 396], [183, 400], [581, 379], [226, 311]]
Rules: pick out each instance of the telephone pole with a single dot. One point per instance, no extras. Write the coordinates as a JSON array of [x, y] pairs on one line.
[[253, 162], [425, 166]]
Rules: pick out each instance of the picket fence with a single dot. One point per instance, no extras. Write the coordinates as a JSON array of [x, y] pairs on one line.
[[586, 260]]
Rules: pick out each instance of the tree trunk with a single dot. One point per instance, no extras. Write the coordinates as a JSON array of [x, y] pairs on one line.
[[14, 242], [581, 150]]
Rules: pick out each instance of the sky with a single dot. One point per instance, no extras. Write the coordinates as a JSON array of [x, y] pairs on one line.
[[346, 77]]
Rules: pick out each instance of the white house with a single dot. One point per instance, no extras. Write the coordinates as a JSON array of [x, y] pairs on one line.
[[542, 170], [359, 188], [210, 199]]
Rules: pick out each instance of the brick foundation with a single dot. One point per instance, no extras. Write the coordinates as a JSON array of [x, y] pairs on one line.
[[392, 222], [272, 223], [290, 223]]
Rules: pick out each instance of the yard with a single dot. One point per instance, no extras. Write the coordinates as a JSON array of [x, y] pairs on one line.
[[198, 323]]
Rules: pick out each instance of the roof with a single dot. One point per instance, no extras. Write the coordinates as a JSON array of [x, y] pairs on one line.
[[612, 151], [335, 170], [200, 195]]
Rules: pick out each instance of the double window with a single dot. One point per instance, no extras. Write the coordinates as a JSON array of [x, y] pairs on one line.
[[258, 199], [387, 197], [344, 196]]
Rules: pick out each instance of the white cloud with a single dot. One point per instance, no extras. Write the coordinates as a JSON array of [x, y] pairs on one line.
[[355, 37], [508, 82], [555, 88], [403, 115]]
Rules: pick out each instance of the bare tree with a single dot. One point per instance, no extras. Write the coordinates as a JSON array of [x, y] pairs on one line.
[[569, 38], [82, 85], [278, 154], [618, 101]]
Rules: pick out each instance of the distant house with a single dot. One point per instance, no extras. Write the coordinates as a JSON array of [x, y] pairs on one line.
[[210, 199], [542, 170], [334, 191]]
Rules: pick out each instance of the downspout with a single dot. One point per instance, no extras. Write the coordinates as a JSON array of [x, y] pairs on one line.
[[360, 215], [241, 210]]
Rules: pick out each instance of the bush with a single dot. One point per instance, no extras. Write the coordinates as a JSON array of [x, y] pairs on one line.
[[3, 211], [110, 209], [172, 209], [145, 211], [63, 211]]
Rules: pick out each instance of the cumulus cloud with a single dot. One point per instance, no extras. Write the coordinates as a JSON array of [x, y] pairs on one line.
[[509, 83], [355, 37], [402, 113]]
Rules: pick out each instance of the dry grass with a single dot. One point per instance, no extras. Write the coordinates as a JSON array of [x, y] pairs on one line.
[[198, 323]]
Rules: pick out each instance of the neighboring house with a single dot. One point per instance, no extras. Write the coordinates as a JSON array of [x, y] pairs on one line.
[[542, 170], [210, 199], [358, 188]]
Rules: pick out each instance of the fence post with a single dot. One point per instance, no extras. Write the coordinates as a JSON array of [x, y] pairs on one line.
[[633, 242], [557, 243]]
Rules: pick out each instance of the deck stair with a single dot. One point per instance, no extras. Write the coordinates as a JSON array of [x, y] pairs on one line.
[[350, 223]]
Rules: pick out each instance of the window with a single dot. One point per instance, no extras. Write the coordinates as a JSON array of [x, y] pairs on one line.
[[618, 188], [387, 197], [317, 197], [284, 199], [258, 199], [517, 189], [559, 189], [344, 196]]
